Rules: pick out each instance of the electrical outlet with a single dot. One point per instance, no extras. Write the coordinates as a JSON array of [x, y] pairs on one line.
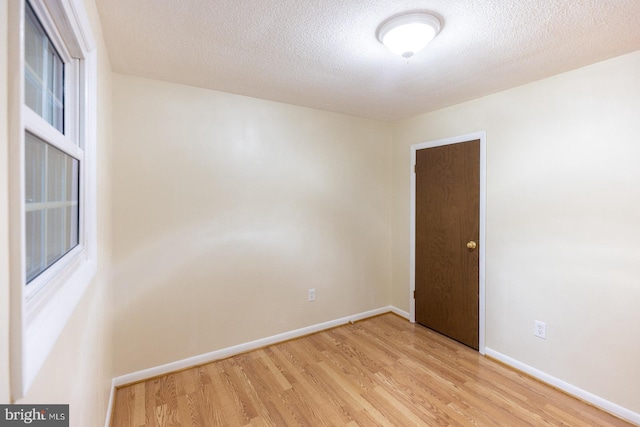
[[312, 295], [540, 330]]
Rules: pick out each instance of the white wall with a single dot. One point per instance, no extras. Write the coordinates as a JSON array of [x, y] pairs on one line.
[[227, 209], [79, 368], [563, 209]]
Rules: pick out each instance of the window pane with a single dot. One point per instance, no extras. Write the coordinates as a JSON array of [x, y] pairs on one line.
[[56, 175], [34, 172], [43, 73], [51, 204], [55, 236], [35, 250], [71, 227]]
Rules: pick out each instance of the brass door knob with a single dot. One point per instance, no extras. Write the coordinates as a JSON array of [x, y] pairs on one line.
[[472, 245]]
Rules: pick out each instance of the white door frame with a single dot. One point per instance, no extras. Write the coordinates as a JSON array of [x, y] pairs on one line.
[[482, 136]]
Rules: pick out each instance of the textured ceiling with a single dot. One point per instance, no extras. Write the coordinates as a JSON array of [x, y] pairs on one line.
[[324, 53]]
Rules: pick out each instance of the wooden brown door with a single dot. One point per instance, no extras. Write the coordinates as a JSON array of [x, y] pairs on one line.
[[447, 228]]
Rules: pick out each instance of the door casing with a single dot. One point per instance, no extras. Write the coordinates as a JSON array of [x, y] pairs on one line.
[[482, 136]]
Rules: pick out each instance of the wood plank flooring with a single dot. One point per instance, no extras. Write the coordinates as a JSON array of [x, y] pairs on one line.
[[382, 371]]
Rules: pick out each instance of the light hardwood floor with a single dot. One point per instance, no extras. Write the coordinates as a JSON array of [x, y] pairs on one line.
[[380, 371]]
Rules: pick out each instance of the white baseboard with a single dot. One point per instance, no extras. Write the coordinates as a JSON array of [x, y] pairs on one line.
[[237, 349], [568, 388], [399, 312], [253, 345], [242, 348]]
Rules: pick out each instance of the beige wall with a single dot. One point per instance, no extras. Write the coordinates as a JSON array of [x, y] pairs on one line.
[[227, 209], [563, 207], [79, 368], [4, 220]]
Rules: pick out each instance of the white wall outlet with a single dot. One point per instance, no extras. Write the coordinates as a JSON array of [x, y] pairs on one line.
[[540, 329], [312, 295]]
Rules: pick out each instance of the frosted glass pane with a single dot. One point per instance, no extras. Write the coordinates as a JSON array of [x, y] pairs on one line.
[[71, 228], [55, 234], [43, 73], [34, 177], [73, 183], [56, 176], [51, 204], [35, 250]]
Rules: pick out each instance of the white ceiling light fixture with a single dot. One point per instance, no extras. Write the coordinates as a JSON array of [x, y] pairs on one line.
[[408, 34]]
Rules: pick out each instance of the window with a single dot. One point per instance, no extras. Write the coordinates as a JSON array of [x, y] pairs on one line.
[[52, 208], [43, 73], [51, 163], [52, 175]]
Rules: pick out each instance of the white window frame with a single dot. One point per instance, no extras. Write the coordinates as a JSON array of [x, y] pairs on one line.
[[40, 311]]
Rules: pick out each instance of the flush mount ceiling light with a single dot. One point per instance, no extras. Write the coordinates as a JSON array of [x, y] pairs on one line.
[[408, 34]]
